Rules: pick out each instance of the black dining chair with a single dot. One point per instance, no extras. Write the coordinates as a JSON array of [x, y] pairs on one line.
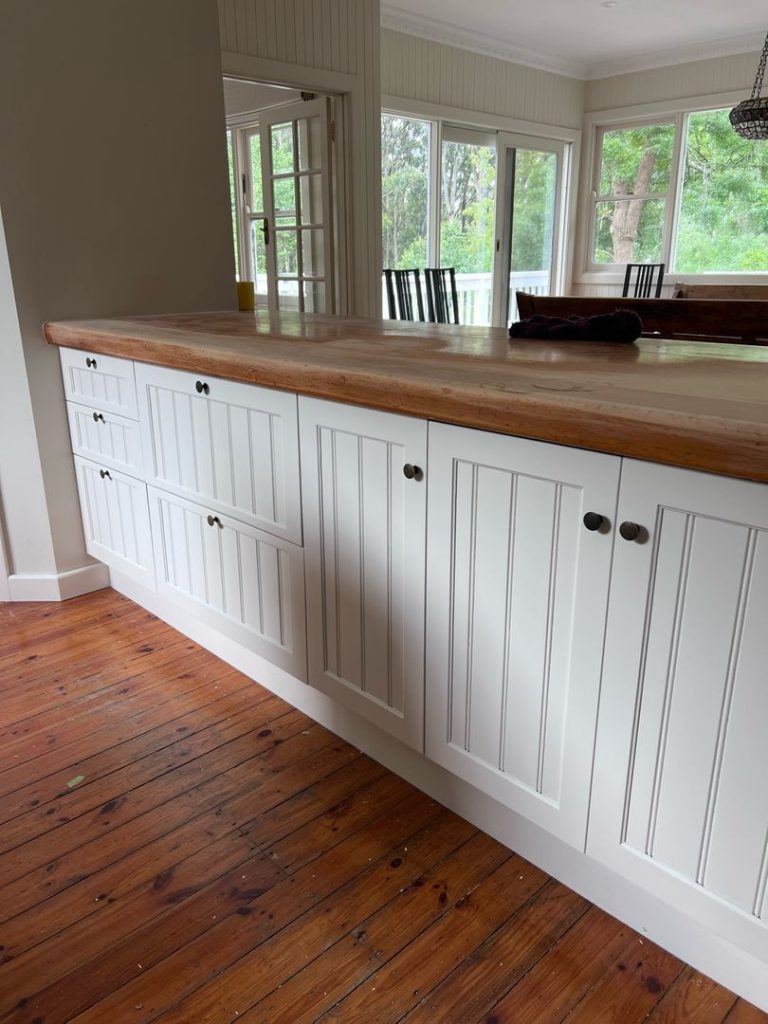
[[403, 286], [442, 296], [644, 275]]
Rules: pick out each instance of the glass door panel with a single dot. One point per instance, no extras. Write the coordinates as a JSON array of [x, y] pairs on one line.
[[467, 218], [530, 228], [297, 196]]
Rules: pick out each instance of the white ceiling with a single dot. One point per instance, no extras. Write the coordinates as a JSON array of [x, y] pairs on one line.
[[582, 37]]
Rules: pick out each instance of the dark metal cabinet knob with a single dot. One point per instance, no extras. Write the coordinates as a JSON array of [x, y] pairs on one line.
[[98, 417], [215, 521], [104, 474], [593, 521], [90, 363], [201, 387], [629, 531], [412, 472]]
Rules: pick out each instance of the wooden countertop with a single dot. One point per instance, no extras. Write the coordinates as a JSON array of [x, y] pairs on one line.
[[693, 404]]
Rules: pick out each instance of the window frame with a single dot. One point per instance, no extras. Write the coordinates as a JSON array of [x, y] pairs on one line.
[[607, 274]]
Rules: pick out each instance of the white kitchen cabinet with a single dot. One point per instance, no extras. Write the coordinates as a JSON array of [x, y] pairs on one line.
[[517, 588], [104, 437], [103, 382], [229, 446], [244, 582], [680, 802], [116, 520], [364, 534]]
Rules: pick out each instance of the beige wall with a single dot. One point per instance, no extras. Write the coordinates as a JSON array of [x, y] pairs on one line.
[[419, 69], [114, 197], [326, 46], [680, 81]]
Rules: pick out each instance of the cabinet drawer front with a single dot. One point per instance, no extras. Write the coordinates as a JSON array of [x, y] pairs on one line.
[[516, 597], [116, 520], [224, 444], [104, 382], [106, 438], [244, 582], [680, 801], [365, 550]]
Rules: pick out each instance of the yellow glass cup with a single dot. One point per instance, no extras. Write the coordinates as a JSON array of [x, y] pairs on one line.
[[246, 298]]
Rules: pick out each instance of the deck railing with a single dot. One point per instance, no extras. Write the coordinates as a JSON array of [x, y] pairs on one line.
[[475, 293]]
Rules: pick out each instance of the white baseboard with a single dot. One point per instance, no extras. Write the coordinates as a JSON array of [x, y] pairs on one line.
[[58, 586], [676, 932]]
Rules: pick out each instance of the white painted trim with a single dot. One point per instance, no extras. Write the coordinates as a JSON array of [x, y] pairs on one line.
[[58, 586], [704, 950], [437, 31], [476, 119], [730, 46], [5, 590], [295, 76]]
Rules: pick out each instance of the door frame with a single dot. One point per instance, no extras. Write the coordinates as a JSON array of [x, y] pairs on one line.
[[507, 145]]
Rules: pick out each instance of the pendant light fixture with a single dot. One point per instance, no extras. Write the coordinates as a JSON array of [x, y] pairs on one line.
[[750, 117]]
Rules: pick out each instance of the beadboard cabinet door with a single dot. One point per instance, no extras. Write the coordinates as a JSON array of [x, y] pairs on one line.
[[364, 534], [115, 518], [245, 583], [229, 446], [680, 802], [105, 438], [517, 588]]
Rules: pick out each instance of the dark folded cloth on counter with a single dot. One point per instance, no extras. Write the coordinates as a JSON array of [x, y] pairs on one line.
[[621, 325]]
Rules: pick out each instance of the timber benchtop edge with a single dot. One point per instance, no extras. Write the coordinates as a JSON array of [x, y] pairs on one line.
[[698, 405]]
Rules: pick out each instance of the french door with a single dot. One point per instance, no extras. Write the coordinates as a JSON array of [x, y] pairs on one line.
[[287, 236], [529, 220]]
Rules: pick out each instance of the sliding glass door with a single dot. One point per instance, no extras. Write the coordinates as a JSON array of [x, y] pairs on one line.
[[489, 204], [529, 225]]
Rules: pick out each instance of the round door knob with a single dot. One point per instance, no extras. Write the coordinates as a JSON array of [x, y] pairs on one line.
[[98, 417], [593, 521], [104, 474], [412, 472], [201, 387], [214, 521], [90, 363], [629, 531]]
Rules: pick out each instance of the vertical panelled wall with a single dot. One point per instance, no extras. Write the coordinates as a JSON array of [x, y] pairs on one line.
[[419, 69], [331, 45]]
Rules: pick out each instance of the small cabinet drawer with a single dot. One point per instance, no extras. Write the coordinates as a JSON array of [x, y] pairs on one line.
[[116, 520], [106, 438], [104, 382], [226, 445], [243, 582]]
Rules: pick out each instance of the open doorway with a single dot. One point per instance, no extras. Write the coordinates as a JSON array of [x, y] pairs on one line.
[[286, 195]]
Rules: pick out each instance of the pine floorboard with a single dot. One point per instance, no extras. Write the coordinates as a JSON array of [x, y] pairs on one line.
[[179, 845]]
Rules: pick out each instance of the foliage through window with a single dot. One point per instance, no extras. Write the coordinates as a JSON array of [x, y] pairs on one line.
[[405, 147], [714, 220]]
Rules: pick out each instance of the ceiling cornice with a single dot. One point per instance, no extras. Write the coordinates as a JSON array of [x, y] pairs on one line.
[[729, 47], [438, 31]]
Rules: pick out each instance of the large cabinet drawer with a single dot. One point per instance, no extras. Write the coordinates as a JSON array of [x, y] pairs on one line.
[[229, 446], [116, 520], [106, 438], [243, 582], [104, 382]]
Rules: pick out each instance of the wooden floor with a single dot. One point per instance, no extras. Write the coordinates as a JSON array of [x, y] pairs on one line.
[[179, 845]]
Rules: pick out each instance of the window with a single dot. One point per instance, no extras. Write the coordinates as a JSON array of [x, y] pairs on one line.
[[723, 220], [632, 193], [688, 192], [405, 146]]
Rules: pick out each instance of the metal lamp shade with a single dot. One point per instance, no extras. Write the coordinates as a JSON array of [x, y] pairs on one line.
[[750, 118]]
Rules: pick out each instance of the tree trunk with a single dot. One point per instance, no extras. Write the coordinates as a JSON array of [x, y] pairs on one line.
[[626, 215]]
